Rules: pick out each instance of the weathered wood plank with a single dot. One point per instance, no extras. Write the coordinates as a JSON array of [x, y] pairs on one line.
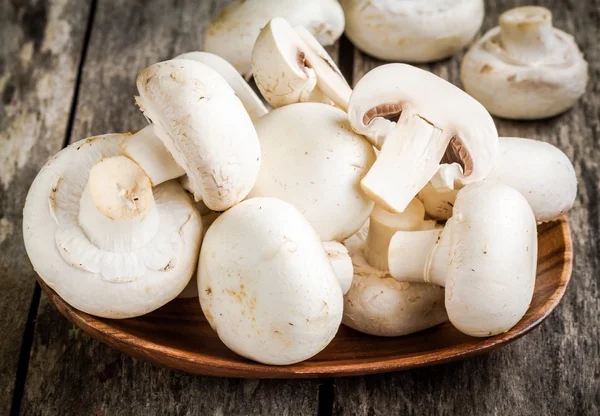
[[554, 369], [70, 373], [41, 45]]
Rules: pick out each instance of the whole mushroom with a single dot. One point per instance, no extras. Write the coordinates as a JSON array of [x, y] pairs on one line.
[[485, 257], [234, 30], [414, 30], [525, 68], [102, 238], [266, 285]]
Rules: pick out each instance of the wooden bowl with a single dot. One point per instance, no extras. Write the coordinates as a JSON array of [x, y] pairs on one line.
[[178, 336]]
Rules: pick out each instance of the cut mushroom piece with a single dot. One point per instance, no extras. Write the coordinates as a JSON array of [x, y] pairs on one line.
[[252, 102], [258, 291], [205, 127], [313, 160], [102, 238], [290, 66], [233, 32], [541, 172], [412, 31], [425, 121], [485, 257], [525, 69]]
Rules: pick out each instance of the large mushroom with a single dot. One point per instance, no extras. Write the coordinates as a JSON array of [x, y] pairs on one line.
[[233, 32], [525, 68], [290, 66], [313, 160], [485, 257], [414, 30], [541, 172], [266, 285], [101, 237], [425, 122]]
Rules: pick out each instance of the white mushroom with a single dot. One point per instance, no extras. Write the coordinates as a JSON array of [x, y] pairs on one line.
[[313, 160], [204, 126], [437, 123], [485, 257], [376, 303], [541, 172], [525, 68], [252, 102], [233, 32], [290, 66], [414, 30], [103, 239], [266, 284]]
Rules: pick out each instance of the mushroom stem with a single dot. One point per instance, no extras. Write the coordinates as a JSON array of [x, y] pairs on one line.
[[117, 210], [526, 33], [341, 263], [148, 151], [409, 158], [420, 256]]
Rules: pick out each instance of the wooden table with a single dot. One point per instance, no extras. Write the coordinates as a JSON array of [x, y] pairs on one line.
[[67, 71]]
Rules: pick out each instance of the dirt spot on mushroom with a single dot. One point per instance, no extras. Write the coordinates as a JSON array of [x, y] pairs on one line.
[[208, 291], [511, 77], [167, 267], [485, 69]]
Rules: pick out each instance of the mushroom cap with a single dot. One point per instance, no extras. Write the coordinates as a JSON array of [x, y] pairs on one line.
[[491, 269], [266, 284], [252, 102], [234, 30], [412, 31], [377, 304], [313, 160], [205, 127], [102, 283], [524, 90], [394, 88]]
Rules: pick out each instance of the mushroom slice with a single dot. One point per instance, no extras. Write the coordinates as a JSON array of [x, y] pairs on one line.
[[102, 238], [252, 103], [376, 303], [233, 32], [525, 69], [258, 291], [425, 121], [290, 66], [485, 257], [192, 107], [313, 160], [412, 31], [541, 172]]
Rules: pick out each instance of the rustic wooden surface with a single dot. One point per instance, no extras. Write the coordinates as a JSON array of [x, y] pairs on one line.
[[61, 371]]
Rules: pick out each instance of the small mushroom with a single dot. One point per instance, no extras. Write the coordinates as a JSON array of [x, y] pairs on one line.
[[102, 238], [525, 69], [266, 284], [252, 103], [376, 303], [313, 160], [205, 127], [425, 121], [541, 172], [412, 31], [233, 32], [485, 257], [290, 66]]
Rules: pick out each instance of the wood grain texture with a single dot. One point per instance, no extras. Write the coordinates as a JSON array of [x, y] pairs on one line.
[[39, 56], [556, 368], [71, 373]]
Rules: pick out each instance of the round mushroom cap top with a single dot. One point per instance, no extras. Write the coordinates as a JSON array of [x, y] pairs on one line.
[[400, 90], [313, 160], [266, 284], [414, 30], [204, 125], [493, 258], [234, 30]]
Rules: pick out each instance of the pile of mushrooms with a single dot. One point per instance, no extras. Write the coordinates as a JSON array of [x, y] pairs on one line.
[[390, 208]]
